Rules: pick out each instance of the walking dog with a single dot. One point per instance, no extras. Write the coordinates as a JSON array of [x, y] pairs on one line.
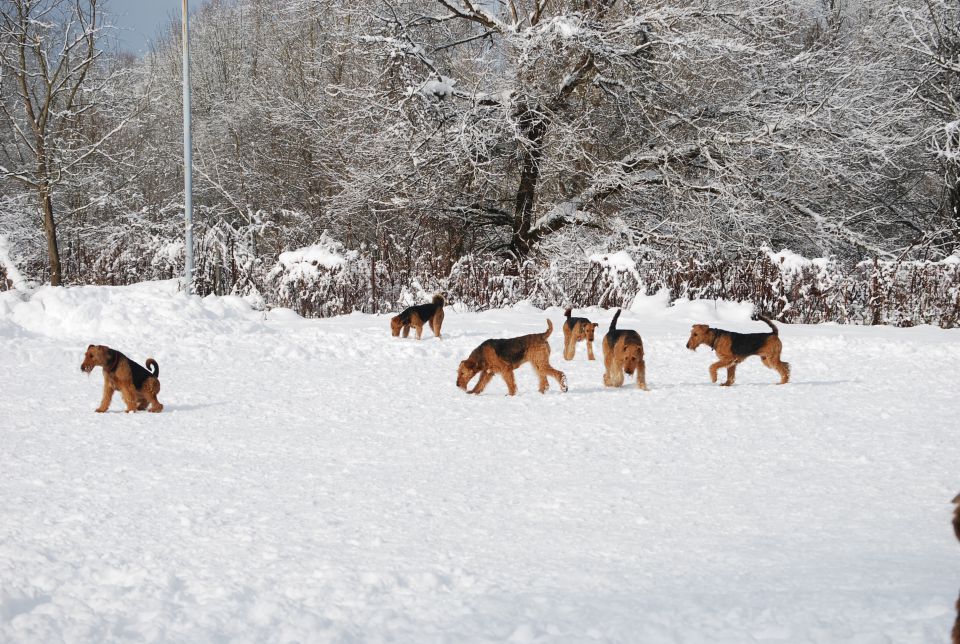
[[733, 348], [138, 386], [955, 634], [623, 353], [417, 317], [575, 330], [502, 356]]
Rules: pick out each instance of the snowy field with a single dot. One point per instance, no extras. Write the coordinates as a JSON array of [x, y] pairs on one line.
[[320, 481]]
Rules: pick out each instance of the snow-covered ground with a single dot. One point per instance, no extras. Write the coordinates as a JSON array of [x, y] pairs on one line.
[[318, 480]]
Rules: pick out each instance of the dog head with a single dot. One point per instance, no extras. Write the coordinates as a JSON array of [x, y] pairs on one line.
[[699, 334], [589, 329], [96, 356], [395, 326], [466, 371], [632, 355]]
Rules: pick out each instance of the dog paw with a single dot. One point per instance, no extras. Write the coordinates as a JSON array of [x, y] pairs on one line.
[[100, 410]]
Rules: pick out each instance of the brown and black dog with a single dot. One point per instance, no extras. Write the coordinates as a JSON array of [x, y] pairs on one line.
[[417, 317], [623, 353], [138, 386], [575, 330], [955, 633], [504, 355], [733, 348]]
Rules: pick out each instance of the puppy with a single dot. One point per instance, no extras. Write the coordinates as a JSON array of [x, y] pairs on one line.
[[575, 330], [623, 353], [504, 355], [733, 348], [138, 386], [417, 316]]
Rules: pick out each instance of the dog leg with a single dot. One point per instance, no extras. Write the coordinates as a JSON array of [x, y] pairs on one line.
[[731, 374], [151, 388], [435, 324], [419, 328], [107, 397], [714, 367], [482, 382], [559, 376], [616, 373], [130, 398], [406, 331], [642, 376], [590, 350], [511, 383], [782, 368], [955, 634], [544, 383]]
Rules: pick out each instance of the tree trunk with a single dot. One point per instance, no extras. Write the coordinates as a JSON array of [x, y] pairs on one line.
[[50, 228], [534, 128]]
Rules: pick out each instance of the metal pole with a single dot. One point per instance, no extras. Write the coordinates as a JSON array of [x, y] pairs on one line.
[[187, 157]]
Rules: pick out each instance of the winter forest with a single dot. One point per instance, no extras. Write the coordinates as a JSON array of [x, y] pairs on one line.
[[356, 155]]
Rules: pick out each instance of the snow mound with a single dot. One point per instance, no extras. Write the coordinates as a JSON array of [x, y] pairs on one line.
[[113, 315]]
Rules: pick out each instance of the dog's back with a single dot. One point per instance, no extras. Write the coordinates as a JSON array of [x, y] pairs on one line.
[[424, 311], [571, 322], [614, 334], [514, 351]]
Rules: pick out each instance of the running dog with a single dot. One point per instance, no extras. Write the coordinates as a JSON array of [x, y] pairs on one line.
[[138, 386], [575, 330], [733, 348], [623, 353], [417, 317], [504, 355]]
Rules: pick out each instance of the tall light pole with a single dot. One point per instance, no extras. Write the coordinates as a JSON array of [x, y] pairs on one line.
[[187, 157]]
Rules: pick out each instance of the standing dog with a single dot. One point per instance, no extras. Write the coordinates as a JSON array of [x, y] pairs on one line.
[[623, 353], [955, 634], [138, 386], [504, 355], [417, 316], [733, 348], [575, 330]]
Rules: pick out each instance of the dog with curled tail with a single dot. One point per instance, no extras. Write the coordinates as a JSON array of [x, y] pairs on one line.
[[138, 386]]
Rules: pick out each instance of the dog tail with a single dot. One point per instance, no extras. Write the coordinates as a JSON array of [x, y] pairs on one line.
[[438, 299], [613, 322], [153, 367], [546, 334], [773, 326], [568, 312]]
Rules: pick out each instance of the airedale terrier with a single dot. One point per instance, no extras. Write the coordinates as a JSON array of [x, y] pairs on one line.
[[623, 353], [417, 316], [733, 348], [955, 634], [575, 330], [504, 355], [138, 386]]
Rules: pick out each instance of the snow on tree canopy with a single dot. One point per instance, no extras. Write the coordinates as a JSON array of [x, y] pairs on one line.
[[305, 263], [791, 262], [438, 88]]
